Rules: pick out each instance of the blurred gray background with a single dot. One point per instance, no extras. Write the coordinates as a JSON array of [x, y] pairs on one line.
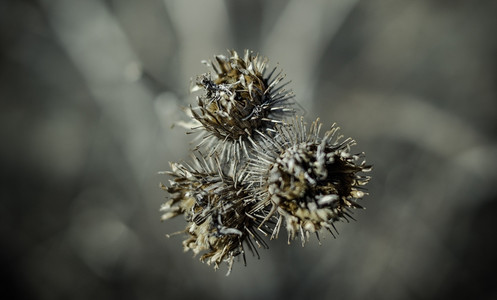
[[90, 89]]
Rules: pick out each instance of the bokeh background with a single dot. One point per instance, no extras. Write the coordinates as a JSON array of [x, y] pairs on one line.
[[90, 90]]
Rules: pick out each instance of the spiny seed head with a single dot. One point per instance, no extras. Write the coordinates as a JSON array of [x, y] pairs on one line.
[[239, 98], [216, 209], [311, 182], [291, 176]]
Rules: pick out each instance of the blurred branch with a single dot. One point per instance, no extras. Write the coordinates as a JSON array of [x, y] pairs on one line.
[[203, 30], [419, 122], [308, 40], [401, 116], [99, 49]]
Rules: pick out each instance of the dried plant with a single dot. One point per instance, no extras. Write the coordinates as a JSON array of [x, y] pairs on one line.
[[310, 182], [262, 168], [217, 210], [239, 99]]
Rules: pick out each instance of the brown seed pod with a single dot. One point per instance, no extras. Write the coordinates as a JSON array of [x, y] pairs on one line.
[[310, 182], [216, 208], [238, 99]]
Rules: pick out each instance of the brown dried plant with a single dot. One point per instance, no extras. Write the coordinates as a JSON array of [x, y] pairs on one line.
[[263, 168]]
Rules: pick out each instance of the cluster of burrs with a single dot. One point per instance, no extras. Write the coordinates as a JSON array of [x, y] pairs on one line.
[[257, 166]]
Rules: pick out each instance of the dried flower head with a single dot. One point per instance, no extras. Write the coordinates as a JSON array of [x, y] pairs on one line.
[[290, 175], [311, 182], [239, 99], [216, 209]]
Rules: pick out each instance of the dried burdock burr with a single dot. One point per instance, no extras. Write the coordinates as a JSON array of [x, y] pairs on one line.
[[238, 99], [217, 210], [262, 168], [309, 181]]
